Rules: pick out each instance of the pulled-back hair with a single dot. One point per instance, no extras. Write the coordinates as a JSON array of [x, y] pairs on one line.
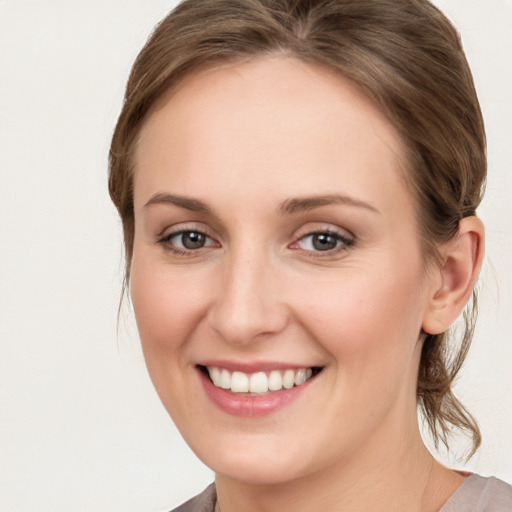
[[407, 58]]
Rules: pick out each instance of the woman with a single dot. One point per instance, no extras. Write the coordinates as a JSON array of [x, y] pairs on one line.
[[298, 184]]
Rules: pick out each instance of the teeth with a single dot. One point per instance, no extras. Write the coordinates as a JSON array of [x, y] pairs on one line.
[[225, 380], [215, 376], [275, 381], [300, 377], [239, 382], [260, 382], [288, 379]]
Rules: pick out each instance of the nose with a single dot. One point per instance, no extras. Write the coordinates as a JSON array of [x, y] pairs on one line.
[[248, 305]]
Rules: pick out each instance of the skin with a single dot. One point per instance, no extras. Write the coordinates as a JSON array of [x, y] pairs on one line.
[[246, 140]]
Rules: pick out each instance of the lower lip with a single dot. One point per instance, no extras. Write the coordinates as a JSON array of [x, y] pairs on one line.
[[251, 406]]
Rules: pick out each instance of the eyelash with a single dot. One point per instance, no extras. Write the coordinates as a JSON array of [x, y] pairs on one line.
[[344, 243], [166, 242]]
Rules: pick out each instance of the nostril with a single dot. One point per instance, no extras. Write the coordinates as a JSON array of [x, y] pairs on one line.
[[241, 326]]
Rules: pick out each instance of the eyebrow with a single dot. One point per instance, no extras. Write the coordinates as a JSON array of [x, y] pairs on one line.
[[288, 207], [303, 204], [194, 205]]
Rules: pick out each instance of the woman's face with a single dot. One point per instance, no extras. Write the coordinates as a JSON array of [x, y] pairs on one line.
[[274, 234]]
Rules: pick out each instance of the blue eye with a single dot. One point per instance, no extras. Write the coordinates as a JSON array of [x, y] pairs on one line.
[[323, 242]]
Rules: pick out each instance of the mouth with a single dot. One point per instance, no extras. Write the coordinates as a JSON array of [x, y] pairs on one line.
[[259, 383]]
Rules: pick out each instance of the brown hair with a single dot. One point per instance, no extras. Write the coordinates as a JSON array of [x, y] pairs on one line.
[[408, 59]]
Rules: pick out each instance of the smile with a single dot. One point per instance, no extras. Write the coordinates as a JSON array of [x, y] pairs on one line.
[[258, 383], [260, 390]]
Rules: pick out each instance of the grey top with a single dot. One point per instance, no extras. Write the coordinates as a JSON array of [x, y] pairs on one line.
[[479, 494], [204, 502], [476, 494]]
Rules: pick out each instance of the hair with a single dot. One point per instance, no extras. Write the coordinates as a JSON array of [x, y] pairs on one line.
[[407, 58]]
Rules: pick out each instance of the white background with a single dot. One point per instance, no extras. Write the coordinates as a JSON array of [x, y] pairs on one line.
[[81, 428]]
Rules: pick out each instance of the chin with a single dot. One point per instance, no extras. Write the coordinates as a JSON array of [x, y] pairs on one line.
[[255, 463], [258, 472], [250, 462]]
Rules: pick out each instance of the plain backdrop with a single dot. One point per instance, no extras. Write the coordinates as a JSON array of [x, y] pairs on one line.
[[81, 428]]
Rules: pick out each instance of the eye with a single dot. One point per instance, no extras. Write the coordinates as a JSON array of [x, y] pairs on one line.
[[188, 240], [323, 242]]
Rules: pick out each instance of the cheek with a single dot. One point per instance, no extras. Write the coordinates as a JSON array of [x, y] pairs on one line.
[[370, 327], [368, 322], [167, 305]]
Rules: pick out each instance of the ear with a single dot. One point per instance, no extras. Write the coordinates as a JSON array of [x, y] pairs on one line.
[[454, 280]]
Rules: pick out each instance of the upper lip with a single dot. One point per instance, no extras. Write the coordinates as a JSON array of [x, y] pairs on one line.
[[254, 367]]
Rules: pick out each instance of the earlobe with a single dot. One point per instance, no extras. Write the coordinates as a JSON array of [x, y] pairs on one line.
[[461, 262]]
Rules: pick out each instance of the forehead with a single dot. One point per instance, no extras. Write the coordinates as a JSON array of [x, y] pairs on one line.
[[274, 124]]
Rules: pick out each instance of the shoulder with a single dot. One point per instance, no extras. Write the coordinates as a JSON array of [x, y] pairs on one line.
[[480, 494], [204, 502]]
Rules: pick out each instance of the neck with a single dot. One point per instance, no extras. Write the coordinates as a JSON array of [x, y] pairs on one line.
[[384, 477]]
